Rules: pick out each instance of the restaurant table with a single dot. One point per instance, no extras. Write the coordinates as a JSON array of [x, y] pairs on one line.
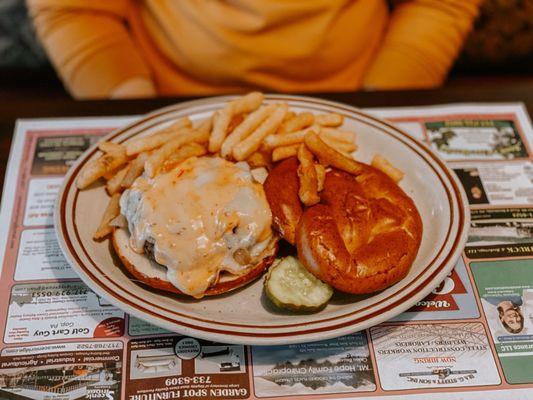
[[38, 105]]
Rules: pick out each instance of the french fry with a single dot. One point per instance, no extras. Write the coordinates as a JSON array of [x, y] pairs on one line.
[[252, 143], [283, 152], [222, 118], [273, 141], [341, 140], [159, 138], [112, 210], [329, 156], [157, 158], [259, 159], [113, 185], [119, 221], [235, 122], [205, 126], [331, 119], [340, 146], [289, 115], [286, 139], [338, 135], [135, 170], [247, 103], [248, 125], [108, 147], [183, 153], [308, 191], [381, 163], [183, 122], [154, 141], [296, 123], [98, 167], [320, 176], [111, 173]]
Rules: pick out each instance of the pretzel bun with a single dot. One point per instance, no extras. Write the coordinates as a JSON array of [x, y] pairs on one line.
[[281, 189], [362, 237], [152, 274]]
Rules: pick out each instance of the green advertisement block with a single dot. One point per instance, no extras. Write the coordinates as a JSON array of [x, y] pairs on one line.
[[506, 291]]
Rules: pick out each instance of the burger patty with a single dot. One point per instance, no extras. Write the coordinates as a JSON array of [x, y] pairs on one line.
[[241, 256], [149, 251]]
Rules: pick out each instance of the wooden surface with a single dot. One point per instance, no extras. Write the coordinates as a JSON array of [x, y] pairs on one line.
[[39, 105]]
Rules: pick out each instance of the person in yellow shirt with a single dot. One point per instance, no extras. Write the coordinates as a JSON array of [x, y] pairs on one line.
[[139, 48]]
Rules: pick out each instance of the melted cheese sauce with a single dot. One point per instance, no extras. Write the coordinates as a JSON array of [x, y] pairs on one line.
[[198, 215]]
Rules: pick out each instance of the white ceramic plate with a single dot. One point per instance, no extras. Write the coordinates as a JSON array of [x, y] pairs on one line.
[[245, 316]]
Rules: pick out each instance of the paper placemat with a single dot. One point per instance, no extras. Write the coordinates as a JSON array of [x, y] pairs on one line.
[[471, 338]]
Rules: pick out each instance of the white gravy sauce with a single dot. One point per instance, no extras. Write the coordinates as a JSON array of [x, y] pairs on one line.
[[197, 215]]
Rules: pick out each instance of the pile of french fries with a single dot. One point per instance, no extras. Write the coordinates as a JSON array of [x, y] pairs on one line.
[[244, 130]]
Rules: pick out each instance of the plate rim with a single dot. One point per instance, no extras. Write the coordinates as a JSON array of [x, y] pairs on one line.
[[319, 333]]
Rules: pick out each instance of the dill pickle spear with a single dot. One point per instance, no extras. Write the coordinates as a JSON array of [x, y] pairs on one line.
[[289, 285]]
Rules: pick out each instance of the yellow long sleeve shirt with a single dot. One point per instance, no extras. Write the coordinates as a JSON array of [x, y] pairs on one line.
[[105, 48]]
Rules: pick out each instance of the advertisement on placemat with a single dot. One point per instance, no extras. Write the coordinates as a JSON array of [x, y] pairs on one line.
[[181, 367], [139, 327], [500, 232], [49, 311], [452, 299], [433, 355], [66, 371], [472, 184], [340, 365], [39, 257], [55, 154], [476, 139], [506, 291], [497, 183], [42, 195]]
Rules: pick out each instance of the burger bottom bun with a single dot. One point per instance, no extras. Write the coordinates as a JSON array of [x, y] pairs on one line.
[[154, 275]]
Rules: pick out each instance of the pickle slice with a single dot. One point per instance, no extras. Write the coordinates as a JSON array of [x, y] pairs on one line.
[[289, 285]]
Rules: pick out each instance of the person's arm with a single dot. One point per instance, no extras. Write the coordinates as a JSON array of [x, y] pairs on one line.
[[423, 39], [90, 46]]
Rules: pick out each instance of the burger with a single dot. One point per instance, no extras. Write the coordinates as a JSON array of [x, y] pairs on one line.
[[200, 228]]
